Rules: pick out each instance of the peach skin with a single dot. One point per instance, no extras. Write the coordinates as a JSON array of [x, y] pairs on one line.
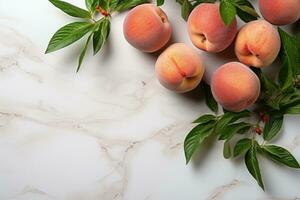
[[257, 44], [179, 68], [146, 27], [280, 12], [235, 86], [206, 29]]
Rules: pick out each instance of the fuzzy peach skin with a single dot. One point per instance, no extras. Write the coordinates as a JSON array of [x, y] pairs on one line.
[[146, 27], [235, 86], [179, 68], [257, 44], [206, 29], [280, 12]]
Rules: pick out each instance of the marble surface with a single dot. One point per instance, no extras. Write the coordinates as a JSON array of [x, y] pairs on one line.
[[111, 131]]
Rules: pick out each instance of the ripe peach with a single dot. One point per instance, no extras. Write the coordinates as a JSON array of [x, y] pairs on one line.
[[235, 86], [179, 68], [280, 12], [146, 27], [257, 44], [206, 29]]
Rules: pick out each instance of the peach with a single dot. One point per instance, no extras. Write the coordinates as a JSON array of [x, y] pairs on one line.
[[257, 44], [146, 27], [235, 86], [280, 12], [179, 68], [206, 29]]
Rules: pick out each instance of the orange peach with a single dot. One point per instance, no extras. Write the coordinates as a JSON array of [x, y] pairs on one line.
[[146, 27], [207, 30], [179, 68], [235, 86], [280, 12], [257, 44]]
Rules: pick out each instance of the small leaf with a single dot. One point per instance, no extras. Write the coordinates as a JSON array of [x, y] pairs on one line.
[[280, 155], [68, 35], [253, 165], [70, 9], [128, 4], [160, 2], [186, 9], [226, 150], [82, 54], [91, 5], [101, 35], [205, 119], [227, 11], [228, 131], [290, 58], [209, 99], [273, 126], [195, 137], [242, 146]]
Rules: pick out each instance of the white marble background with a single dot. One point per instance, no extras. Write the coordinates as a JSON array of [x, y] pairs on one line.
[[110, 131]]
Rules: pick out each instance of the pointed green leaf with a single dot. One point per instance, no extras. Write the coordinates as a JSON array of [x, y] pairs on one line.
[[71, 10], [291, 60], [272, 127], [101, 35], [68, 35], [128, 4], [227, 11], [91, 5], [253, 165], [186, 9], [242, 146], [195, 137], [280, 155], [228, 131], [209, 99], [205, 119], [82, 54]]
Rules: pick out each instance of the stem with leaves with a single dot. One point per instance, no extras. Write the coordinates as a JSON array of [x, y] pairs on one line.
[[98, 29]]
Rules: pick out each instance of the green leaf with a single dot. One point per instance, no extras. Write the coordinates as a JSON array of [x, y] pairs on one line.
[[186, 9], [293, 110], [250, 10], [195, 137], [71, 10], [160, 2], [128, 4], [228, 131], [226, 150], [101, 35], [280, 155], [68, 35], [227, 11], [290, 58], [82, 54], [242, 146], [209, 99], [205, 119], [91, 5], [252, 163], [273, 126], [230, 117], [104, 4], [113, 4]]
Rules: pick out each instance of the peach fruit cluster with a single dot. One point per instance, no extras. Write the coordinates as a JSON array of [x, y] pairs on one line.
[[180, 68]]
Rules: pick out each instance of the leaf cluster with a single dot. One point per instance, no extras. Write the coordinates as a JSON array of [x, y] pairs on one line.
[[97, 29]]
